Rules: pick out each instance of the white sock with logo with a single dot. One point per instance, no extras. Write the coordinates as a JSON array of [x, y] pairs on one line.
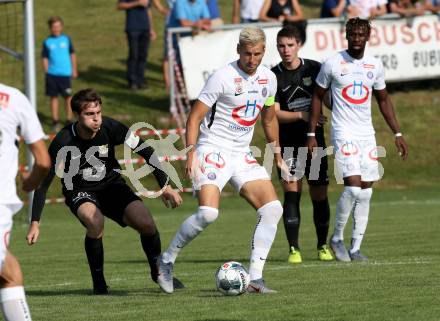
[[265, 231], [188, 231], [360, 218], [14, 305], [343, 209]]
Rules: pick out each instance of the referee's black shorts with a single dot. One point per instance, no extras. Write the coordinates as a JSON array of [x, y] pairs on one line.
[[295, 159], [112, 200]]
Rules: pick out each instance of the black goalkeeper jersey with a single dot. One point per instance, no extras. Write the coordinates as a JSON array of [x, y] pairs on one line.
[[294, 93]]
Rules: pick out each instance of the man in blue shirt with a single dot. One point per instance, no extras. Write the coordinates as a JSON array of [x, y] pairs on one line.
[[139, 30], [59, 64]]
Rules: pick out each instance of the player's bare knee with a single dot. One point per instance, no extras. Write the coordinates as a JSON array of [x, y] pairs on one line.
[[206, 215], [11, 272]]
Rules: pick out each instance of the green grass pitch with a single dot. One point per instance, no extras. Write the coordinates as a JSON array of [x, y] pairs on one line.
[[400, 281]]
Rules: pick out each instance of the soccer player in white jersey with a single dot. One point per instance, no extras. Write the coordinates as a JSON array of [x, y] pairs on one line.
[[220, 128], [16, 112], [352, 78]]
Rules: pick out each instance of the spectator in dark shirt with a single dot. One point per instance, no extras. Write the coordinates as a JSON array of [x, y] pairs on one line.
[[139, 30], [332, 8], [281, 10]]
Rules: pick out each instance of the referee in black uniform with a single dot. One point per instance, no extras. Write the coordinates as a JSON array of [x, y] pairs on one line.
[[96, 188], [296, 81]]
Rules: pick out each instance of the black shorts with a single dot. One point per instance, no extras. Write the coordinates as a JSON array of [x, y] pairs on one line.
[[112, 200], [295, 161], [58, 85]]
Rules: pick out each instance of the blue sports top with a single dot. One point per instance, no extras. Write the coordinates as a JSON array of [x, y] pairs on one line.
[[58, 50]]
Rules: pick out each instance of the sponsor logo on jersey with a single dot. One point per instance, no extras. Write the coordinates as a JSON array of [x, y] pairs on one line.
[[262, 81], [307, 81], [356, 93], [215, 159], [249, 158], [368, 66], [4, 100], [247, 115], [253, 92], [349, 149], [373, 154]]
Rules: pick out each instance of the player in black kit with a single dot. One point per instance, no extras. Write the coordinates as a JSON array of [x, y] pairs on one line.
[[93, 186], [296, 81]]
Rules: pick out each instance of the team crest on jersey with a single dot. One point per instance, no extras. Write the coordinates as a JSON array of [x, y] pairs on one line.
[[4, 100], [264, 91], [370, 75], [103, 150], [238, 85], [307, 81]]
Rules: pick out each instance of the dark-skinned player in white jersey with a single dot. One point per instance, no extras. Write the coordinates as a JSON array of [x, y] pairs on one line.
[[352, 77]]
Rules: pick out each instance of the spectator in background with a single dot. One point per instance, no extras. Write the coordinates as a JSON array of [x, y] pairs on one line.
[[246, 11], [139, 30], [406, 8], [332, 8], [59, 65], [214, 13], [366, 9], [281, 10], [185, 13], [432, 5]]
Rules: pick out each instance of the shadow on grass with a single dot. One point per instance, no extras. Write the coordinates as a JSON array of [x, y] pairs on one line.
[[88, 292]]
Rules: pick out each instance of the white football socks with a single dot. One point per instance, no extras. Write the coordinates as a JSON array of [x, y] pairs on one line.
[[189, 229], [343, 210], [360, 218], [14, 305], [265, 231]]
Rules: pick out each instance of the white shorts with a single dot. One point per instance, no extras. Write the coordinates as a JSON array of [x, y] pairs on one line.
[[6, 213], [357, 157], [218, 167]]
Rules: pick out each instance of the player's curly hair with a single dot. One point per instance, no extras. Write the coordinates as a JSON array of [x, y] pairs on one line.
[[355, 23], [252, 36], [84, 97]]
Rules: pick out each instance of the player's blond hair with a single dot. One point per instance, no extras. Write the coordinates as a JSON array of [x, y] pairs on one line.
[[251, 36]]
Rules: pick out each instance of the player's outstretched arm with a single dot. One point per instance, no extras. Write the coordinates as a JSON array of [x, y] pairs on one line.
[[171, 198], [387, 110], [37, 207]]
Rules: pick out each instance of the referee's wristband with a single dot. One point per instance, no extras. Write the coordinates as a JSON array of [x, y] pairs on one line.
[[311, 135], [398, 135]]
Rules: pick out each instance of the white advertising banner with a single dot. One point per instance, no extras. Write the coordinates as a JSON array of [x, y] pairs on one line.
[[409, 49]]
